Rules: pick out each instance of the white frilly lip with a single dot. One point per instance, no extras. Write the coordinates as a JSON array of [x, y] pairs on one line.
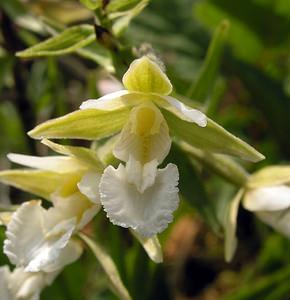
[[268, 198], [147, 213], [35, 246]]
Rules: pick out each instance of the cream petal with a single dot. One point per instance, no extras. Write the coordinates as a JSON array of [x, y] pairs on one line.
[[89, 186], [147, 213], [76, 206], [59, 164], [28, 244], [155, 144], [151, 246], [181, 110], [112, 101], [269, 198], [26, 285]]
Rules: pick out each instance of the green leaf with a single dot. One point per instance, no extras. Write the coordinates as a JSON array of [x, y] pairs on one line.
[[212, 138], [40, 183], [92, 4], [89, 124], [99, 55], [191, 187], [87, 156], [205, 81], [67, 41], [120, 5], [123, 19], [109, 267]]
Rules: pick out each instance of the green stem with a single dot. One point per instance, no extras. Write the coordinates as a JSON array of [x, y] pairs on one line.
[[219, 164]]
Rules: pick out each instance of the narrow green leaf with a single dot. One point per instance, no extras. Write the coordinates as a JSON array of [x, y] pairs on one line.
[[207, 75], [40, 183], [91, 4], [85, 155], [212, 138], [109, 267], [67, 41], [191, 187], [89, 124]]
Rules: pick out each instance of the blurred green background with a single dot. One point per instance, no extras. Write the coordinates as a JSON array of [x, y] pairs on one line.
[[249, 96]]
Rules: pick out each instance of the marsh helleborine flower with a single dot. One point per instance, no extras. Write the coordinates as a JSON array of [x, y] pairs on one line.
[[139, 195]]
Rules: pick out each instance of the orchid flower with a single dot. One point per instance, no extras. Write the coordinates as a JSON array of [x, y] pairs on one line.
[[21, 285], [38, 238], [139, 195], [267, 194]]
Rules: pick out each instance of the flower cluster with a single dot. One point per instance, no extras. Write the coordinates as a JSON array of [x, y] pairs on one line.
[[137, 194]]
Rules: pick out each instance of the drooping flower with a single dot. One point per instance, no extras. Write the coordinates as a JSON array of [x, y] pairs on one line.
[[267, 194]]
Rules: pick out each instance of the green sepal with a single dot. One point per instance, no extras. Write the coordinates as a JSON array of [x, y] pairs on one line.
[[212, 138], [88, 124], [84, 155], [37, 182]]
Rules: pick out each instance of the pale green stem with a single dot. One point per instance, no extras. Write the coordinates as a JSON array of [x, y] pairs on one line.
[[220, 164]]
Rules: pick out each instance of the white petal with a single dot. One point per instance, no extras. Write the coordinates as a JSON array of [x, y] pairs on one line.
[[89, 186], [182, 111], [153, 144], [268, 198], [60, 164], [112, 101], [28, 244], [26, 285], [5, 293], [147, 213], [50, 248], [142, 176], [70, 253], [279, 220], [76, 206]]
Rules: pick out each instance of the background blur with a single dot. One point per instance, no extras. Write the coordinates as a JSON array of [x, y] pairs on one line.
[[250, 98]]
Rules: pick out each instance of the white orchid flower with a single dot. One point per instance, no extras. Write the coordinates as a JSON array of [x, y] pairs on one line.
[[21, 285], [40, 240], [267, 194], [139, 195]]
